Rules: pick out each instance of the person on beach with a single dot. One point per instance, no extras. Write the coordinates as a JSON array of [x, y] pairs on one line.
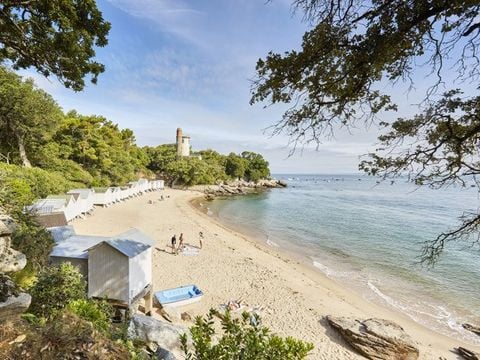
[[174, 242], [200, 238], [180, 242]]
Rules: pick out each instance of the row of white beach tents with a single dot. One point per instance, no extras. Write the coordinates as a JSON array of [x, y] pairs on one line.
[[58, 210]]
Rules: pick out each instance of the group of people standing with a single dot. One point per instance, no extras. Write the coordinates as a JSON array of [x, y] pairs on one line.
[[181, 246]]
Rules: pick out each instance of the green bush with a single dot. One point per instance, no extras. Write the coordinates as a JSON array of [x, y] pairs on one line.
[[96, 312], [55, 288], [242, 339]]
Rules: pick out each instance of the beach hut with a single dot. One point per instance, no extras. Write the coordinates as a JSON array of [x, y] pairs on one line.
[[161, 184], [61, 233], [51, 220], [85, 199], [71, 207], [74, 249], [103, 196], [143, 185], [125, 192], [55, 204], [134, 188], [116, 194], [120, 268]]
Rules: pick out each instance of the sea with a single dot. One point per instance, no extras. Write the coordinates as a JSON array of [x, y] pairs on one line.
[[368, 236]]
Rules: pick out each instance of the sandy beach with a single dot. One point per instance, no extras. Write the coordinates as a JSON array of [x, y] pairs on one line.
[[232, 266]]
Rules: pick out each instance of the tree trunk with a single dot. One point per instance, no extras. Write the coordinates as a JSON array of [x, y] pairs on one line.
[[23, 153]]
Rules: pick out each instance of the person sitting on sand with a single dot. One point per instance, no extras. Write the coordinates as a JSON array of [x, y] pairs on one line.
[[174, 242]]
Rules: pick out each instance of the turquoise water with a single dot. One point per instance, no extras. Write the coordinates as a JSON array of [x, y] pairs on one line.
[[368, 236]]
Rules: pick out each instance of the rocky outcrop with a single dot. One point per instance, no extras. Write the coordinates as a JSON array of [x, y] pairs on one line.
[[12, 301], [473, 328], [467, 354], [150, 330], [375, 338], [241, 187]]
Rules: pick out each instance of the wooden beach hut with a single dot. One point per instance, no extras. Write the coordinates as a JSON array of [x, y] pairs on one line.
[[69, 205], [85, 199], [103, 196], [125, 192], [65, 205], [120, 268]]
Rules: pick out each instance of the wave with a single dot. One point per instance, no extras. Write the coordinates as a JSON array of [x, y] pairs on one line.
[[272, 243]]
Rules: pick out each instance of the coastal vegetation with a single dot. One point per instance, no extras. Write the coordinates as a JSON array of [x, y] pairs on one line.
[[338, 78]]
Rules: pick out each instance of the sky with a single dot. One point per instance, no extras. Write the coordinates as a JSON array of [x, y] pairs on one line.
[[189, 64]]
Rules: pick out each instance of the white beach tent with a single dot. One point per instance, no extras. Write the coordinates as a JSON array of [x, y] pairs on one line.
[[103, 196], [85, 199]]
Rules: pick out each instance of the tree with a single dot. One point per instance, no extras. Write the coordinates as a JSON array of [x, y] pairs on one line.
[[55, 37], [256, 166], [28, 117], [352, 49], [235, 166]]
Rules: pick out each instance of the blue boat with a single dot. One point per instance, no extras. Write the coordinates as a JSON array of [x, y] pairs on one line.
[[179, 296]]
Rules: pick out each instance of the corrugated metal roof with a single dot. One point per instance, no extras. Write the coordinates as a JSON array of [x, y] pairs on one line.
[[131, 242], [77, 246], [66, 197], [128, 248], [46, 206], [61, 233]]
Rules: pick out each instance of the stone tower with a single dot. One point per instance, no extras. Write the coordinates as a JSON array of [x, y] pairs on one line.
[[183, 144]]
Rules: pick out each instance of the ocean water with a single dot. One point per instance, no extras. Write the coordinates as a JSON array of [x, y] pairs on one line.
[[369, 236]]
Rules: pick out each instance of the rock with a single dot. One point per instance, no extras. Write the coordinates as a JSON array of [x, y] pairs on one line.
[[148, 329], [467, 354], [282, 183], [472, 328], [164, 354], [172, 313], [14, 306], [10, 260], [375, 338], [186, 316]]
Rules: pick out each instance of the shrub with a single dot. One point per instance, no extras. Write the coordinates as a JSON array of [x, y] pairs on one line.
[[241, 339], [96, 312], [56, 287]]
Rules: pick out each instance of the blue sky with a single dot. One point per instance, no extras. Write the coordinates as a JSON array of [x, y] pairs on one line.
[[179, 63]]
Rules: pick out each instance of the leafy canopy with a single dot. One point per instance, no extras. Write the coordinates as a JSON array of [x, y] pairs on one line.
[[54, 36], [351, 51]]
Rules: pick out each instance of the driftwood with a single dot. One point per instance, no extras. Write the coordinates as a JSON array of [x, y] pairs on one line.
[[467, 354]]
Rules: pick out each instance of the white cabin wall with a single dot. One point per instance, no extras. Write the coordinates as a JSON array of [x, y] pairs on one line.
[[107, 273], [140, 272]]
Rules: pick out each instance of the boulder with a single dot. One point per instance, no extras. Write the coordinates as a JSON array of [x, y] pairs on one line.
[[375, 338], [282, 183], [164, 354], [10, 260], [148, 329], [467, 354], [14, 306], [473, 328]]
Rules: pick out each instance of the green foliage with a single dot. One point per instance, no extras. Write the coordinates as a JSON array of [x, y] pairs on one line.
[[56, 287], [32, 240], [26, 277], [235, 166], [241, 339], [257, 166], [96, 312], [56, 37], [28, 117]]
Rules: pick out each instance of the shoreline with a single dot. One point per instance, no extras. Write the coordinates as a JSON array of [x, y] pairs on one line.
[[232, 265], [365, 285]]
